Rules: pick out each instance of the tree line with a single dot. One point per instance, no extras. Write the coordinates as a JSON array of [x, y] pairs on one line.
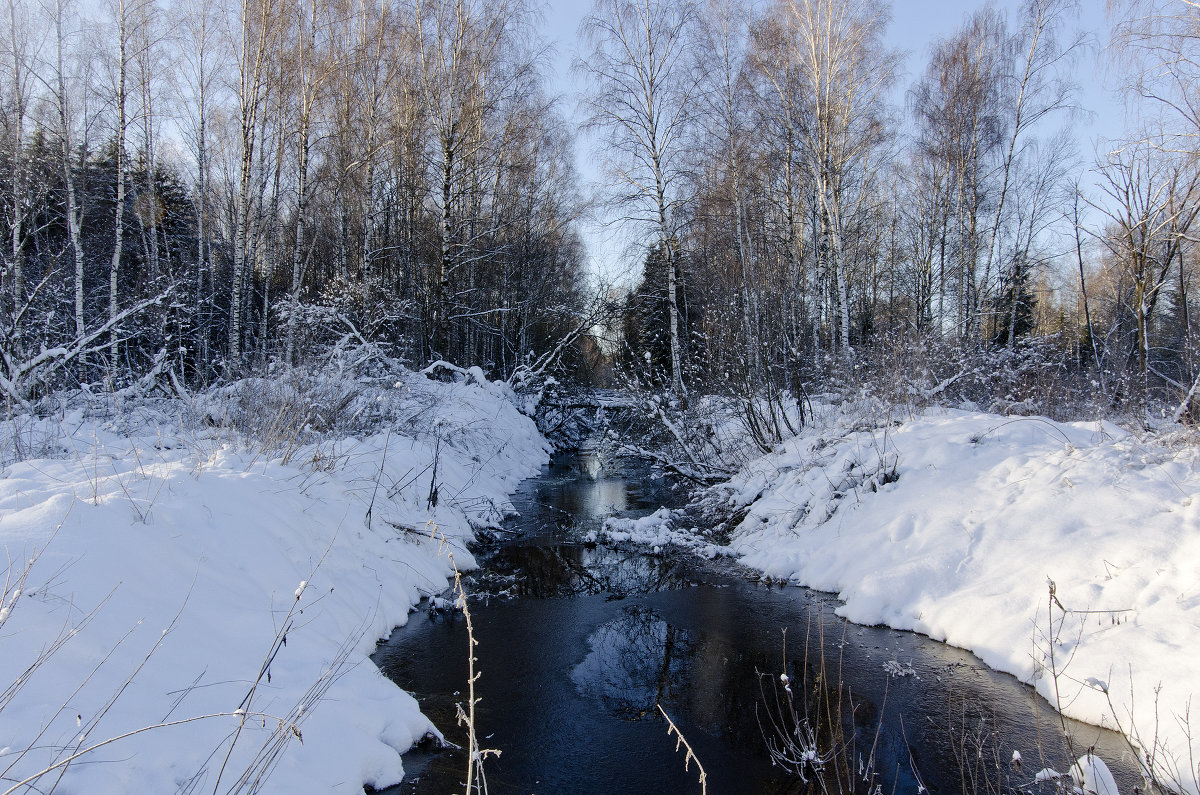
[[204, 188], [800, 223], [197, 190]]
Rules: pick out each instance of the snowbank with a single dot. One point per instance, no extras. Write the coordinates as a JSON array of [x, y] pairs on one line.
[[170, 567], [954, 524]]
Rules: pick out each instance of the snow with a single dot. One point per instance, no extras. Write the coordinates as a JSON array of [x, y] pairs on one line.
[[653, 531], [1092, 776], [157, 565], [1067, 554], [1089, 776], [160, 569]]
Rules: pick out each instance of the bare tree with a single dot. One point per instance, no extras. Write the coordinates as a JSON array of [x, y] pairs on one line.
[[960, 120], [840, 53], [21, 51], [66, 128], [196, 82], [254, 38], [1039, 88], [312, 70], [782, 104], [1150, 203], [724, 29], [462, 47], [124, 32], [151, 67], [1157, 45], [641, 99]]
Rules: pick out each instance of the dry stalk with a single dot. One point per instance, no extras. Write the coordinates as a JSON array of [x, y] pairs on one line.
[[476, 781], [62, 763], [689, 755]]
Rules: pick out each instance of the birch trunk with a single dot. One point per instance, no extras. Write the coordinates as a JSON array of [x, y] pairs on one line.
[[73, 210], [114, 267]]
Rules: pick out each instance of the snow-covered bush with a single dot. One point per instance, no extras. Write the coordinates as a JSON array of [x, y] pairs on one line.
[[350, 323], [1036, 376], [703, 441]]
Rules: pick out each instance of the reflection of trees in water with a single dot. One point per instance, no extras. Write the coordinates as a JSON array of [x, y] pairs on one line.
[[583, 491], [571, 570], [635, 661], [633, 572]]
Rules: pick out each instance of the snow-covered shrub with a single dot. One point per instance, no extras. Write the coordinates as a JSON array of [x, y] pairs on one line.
[[278, 414], [350, 324], [162, 503], [1039, 375], [703, 442]]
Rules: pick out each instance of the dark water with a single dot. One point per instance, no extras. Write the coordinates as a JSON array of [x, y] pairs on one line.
[[577, 644]]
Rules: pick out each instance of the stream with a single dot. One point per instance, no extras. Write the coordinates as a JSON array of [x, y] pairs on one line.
[[577, 644]]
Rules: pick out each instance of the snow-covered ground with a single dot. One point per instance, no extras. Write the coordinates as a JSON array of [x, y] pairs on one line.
[[1013, 537], [159, 571]]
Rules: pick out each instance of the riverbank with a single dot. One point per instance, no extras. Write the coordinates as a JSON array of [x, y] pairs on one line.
[[1063, 553], [579, 638], [164, 566]]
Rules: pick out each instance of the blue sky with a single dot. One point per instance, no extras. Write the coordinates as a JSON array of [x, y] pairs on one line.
[[916, 25]]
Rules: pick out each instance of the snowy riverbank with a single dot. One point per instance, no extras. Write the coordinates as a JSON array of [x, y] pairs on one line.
[[954, 523], [156, 566]]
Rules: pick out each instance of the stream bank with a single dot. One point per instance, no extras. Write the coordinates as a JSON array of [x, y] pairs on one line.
[[579, 642]]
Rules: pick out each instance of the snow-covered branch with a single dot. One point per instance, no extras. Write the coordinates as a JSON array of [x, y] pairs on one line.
[[21, 374]]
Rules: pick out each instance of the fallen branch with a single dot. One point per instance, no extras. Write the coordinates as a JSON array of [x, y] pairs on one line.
[[19, 373]]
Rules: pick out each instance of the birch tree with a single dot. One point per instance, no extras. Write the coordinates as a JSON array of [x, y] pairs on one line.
[[840, 53], [460, 45], [21, 52], [1038, 88], [196, 82], [723, 33], [124, 23], [254, 37], [782, 105], [65, 115], [312, 71], [1157, 46], [959, 109], [642, 90]]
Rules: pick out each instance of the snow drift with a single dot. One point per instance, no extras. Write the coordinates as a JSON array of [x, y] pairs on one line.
[[159, 572], [1063, 553]]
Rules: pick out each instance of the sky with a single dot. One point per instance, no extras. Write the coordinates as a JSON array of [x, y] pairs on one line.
[[915, 26]]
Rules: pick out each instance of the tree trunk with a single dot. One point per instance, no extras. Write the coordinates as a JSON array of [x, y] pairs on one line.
[[441, 286], [114, 267], [73, 210], [19, 195]]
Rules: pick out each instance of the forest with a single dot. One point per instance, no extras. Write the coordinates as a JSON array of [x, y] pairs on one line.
[[195, 191]]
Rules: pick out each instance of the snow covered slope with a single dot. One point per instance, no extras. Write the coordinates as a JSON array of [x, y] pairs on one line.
[[955, 524], [171, 566]]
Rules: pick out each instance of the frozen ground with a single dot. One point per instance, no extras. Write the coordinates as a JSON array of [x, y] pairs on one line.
[[160, 571], [1012, 537]]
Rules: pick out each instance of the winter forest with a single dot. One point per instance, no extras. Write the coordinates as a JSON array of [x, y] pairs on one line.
[[193, 191], [327, 417]]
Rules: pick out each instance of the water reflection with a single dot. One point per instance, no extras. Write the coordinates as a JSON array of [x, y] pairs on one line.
[[577, 569], [636, 661], [581, 487]]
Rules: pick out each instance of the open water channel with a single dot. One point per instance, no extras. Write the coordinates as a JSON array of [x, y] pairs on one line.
[[578, 643]]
